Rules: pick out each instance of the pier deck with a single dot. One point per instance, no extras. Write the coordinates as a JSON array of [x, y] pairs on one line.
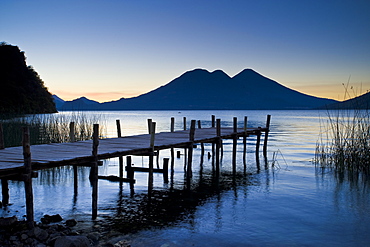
[[57, 154], [20, 163]]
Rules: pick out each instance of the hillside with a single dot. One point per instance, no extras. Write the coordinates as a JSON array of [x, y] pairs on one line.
[[360, 102], [22, 90], [58, 101], [81, 104]]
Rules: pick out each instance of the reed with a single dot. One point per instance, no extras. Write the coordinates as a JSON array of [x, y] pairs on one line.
[[344, 142], [51, 128]]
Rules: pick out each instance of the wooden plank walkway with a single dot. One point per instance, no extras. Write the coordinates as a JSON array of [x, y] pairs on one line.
[[20, 162], [57, 154]]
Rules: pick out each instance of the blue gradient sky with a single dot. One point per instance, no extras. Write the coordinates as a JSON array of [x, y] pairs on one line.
[[106, 50]]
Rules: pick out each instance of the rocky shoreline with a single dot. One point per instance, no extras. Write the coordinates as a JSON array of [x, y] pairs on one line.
[[54, 232]]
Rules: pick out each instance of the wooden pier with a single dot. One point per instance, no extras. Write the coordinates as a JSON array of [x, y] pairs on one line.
[[17, 163]]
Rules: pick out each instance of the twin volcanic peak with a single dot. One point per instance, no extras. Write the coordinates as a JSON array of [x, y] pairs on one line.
[[200, 89]]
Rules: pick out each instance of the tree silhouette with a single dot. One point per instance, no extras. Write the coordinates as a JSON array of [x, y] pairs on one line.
[[22, 90]]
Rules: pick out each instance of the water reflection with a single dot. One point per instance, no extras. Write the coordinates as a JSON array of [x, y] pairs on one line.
[[178, 203], [285, 205], [351, 189]]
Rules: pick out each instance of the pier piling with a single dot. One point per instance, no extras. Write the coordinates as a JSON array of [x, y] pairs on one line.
[[120, 158], [165, 169], [27, 177], [218, 144], [258, 141], [5, 191], [151, 154], [266, 135], [245, 142], [72, 130], [129, 170], [50, 155], [2, 145], [190, 149], [118, 124], [235, 141], [94, 172]]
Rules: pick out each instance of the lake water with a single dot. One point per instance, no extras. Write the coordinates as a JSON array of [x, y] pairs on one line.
[[289, 202]]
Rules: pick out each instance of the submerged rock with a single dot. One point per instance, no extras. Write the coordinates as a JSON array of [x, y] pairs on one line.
[[40, 234], [72, 241], [47, 219], [5, 222], [71, 222]]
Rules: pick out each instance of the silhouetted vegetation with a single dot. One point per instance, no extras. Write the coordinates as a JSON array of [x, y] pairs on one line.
[[345, 141], [22, 90], [50, 128]]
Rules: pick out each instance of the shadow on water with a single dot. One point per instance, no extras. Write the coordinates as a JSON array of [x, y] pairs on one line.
[[168, 206]]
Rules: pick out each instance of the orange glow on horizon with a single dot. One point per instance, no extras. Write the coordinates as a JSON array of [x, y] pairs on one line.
[[96, 96], [334, 91], [330, 91]]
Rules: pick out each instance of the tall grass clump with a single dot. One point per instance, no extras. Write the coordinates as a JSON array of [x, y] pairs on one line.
[[344, 142], [51, 128]]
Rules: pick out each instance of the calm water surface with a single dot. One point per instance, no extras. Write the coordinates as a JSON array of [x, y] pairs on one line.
[[289, 204]]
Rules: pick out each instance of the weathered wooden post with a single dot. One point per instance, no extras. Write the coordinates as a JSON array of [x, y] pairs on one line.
[[213, 125], [218, 144], [27, 177], [235, 140], [152, 135], [245, 142], [129, 170], [72, 138], [2, 145], [157, 158], [4, 182], [192, 131], [118, 124], [165, 169], [72, 130], [258, 141], [172, 149], [190, 150], [149, 125], [172, 128], [201, 145], [94, 172], [266, 135], [218, 127], [120, 158], [5, 191], [75, 179], [235, 125], [151, 153], [130, 173], [120, 167], [185, 151]]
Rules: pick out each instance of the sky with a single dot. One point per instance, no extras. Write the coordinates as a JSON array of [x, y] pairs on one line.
[[109, 49]]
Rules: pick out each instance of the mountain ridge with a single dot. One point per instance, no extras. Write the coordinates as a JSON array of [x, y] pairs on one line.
[[358, 102], [200, 89]]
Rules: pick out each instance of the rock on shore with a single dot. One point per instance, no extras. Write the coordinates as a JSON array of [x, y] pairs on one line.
[[62, 234]]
